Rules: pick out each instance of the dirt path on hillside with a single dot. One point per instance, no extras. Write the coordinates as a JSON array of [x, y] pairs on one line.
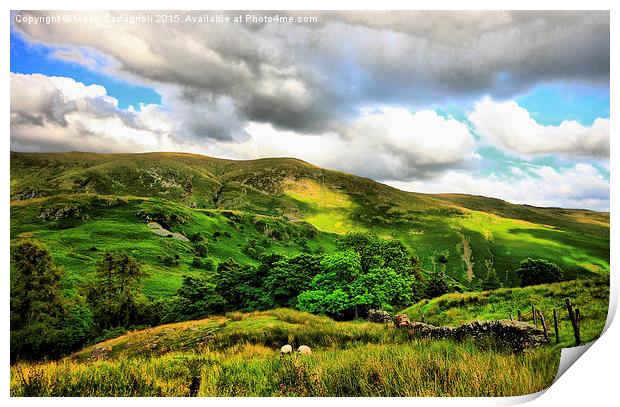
[[467, 256]]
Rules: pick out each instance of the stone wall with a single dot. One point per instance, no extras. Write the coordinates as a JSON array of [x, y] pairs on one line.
[[513, 335]]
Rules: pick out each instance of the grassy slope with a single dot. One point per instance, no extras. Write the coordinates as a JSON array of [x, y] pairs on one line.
[[590, 296], [237, 355], [77, 245], [292, 190]]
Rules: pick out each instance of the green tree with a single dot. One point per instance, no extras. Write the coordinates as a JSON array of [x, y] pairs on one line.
[[115, 296], [38, 308], [491, 282], [381, 289], [196, 298], [437, 286], [375, 252], [287, 278], [230, 279], [538, 271], [329, 291]]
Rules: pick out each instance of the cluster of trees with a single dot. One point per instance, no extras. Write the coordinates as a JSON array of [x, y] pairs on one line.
[[365, 272], [46, 323]]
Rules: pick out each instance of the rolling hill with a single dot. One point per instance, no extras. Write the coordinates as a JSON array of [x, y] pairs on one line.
[[82, 204]]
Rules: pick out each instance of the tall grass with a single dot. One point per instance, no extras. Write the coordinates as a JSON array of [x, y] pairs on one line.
[[268, 328], [439, 368], [590, 296]]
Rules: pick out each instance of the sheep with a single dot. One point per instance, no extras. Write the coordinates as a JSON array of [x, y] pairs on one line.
[[286, 349], [304, 350]]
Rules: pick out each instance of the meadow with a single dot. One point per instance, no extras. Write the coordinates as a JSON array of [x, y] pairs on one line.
[[243, 359]]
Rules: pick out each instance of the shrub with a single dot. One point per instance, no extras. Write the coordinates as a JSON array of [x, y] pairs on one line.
[[201, 250], [169, 260], [538, 271]]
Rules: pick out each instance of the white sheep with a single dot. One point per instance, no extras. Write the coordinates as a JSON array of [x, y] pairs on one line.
[[286, 349], [304, 350]]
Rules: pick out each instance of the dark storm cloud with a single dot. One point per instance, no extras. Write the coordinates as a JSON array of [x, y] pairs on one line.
[[311, 78]]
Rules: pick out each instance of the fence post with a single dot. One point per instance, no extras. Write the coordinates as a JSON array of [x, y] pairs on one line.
[[555, 325], [574, 322], [544, 325], [578, 324], [534, 315], [518, 315]]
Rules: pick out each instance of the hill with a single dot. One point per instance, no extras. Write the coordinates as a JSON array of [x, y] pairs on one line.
[[238, 355], [81, 204]]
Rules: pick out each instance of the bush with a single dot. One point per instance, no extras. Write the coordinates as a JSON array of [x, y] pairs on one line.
[[170, 260], [538, 271], [209, 264], [201, 250]]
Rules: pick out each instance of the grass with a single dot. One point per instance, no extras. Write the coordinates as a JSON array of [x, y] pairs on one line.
[[267, 328], [242, 359], [78, 244], [590, 296]]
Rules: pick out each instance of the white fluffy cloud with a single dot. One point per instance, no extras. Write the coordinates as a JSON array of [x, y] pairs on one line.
[[577, 186], [388, 143], [508, 126], [60, 114]]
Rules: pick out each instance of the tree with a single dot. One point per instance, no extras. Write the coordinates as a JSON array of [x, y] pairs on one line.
[[287, 278], [538, 271], [491, 282], [230, 279], [38, 307], [329, 291], [196, 298], [115, 296], [375, 252], [437, 286], [381, 289]]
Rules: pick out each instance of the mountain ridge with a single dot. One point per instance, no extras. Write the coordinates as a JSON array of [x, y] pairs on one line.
[[460, 234]]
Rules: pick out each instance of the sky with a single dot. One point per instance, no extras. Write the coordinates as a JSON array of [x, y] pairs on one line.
[[513, 105]]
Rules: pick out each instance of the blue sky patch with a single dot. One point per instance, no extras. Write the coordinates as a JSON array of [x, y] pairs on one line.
[[28, 58]]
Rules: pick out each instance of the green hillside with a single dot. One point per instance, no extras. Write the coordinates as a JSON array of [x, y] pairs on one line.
[[238, 355], [82, 204]]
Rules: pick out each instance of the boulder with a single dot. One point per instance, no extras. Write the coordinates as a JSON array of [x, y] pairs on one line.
[[401, 321], [380, 316]]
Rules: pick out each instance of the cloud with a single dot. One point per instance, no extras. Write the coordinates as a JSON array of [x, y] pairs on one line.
[[510, 127], [60, 114], [311, 78], [387, 143], [577, 186]]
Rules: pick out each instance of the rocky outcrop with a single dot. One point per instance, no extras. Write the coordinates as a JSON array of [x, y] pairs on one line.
[[100, 353], [379, 316], [159, 230], [513, 335]]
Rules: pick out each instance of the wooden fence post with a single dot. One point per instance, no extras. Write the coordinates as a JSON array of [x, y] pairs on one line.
[[578, 324], [534, 315], [574, 322], [555, 325], [544, 325]]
